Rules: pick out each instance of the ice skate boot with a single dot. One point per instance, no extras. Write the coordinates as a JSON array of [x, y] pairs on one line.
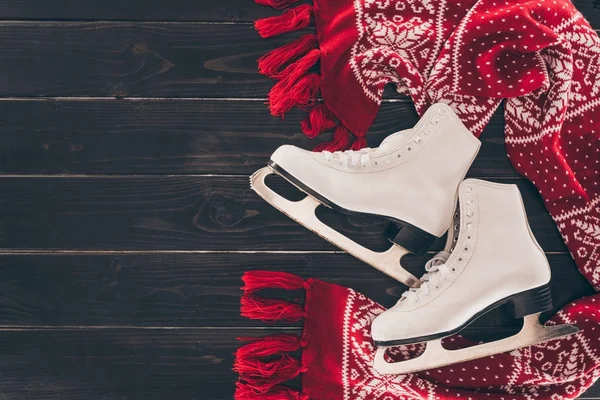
[[491, 259], [411, 179]]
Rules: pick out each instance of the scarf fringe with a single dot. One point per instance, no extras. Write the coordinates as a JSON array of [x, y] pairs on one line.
[[278, 392], [341, 139], [319, 120], [298, 88], [263, 375], [258, 280], [270, 310], [268, 345], [264, 363], [290, 20], [359, 143], [276, 63]]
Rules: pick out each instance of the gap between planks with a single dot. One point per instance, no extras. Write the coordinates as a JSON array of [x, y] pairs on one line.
[[6, 252], [147, 175]]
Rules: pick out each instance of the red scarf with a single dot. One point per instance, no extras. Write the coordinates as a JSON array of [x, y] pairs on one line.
[[337, 353], [544, 59]]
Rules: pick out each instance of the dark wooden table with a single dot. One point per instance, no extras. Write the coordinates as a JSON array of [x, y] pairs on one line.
[[128, 130]]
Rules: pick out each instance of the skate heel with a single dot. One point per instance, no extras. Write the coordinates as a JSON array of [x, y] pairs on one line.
[[408, 236], [532, 301]]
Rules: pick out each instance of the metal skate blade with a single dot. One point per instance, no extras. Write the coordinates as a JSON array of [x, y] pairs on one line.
[[303, 212], [436, 356]]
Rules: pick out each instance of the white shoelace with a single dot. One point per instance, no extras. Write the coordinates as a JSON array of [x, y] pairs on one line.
[[351, 157], [437, 273]]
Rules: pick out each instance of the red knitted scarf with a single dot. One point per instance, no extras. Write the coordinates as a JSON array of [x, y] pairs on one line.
[[544, 59], [336, 362]]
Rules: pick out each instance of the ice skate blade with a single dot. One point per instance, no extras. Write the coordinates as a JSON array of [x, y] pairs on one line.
[[436, 356], [303, 212]]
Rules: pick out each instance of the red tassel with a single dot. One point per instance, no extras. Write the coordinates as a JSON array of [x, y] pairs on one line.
[[270, 310], [303, 94], [341, 138], [359, 143], [291, 20], [258, 280], [296, 89], [279, 392], [276, 3], [272, 63], [261, 375], [303, 65], [268, 345], [318, 121]]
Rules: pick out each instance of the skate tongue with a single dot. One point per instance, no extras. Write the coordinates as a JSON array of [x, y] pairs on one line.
[[395, 138]]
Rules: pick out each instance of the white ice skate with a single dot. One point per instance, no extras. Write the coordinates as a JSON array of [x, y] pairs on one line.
[[491, 258], [411, 179]]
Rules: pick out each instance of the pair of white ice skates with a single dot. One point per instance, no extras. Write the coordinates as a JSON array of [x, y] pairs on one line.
[[415, 179]]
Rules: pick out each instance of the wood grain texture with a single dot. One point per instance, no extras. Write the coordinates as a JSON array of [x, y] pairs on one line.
[[136, 10], [184, 213], [132, 59], [181, 136], [195, 290], [118, 364], [178, 10]]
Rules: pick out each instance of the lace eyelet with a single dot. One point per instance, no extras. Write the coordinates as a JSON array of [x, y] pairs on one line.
[[469, 237], [387, 160], [409, 148], [466, 248], [434, 121], [456, 227], [418, 140], [453, 269], [469, 201], [441, 111], [427, 131], [469, 213], [460, 259], [455, 238], [468, 189], [456, 216], [376, 163], [399, 155], [469, 225]]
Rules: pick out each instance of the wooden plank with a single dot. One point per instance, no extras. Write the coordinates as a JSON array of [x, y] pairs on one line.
[[182, 213], [195, 290], [180, 136], [179, 10], [124, 364], [132, 59], [136, 10], [118, 364]]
